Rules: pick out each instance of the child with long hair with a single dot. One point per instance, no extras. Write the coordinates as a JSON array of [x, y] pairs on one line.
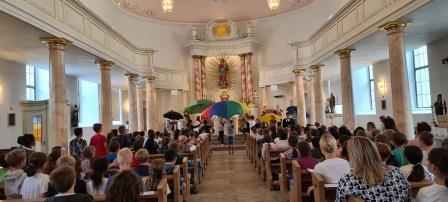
[[438, 165], [156, 174], [36, 184], [414, 171], [97, 184]]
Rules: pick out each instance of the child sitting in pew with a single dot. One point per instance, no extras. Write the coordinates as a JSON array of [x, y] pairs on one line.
[[438, 165], [36, 184], [16, 159], [142, 168], [63, 180]]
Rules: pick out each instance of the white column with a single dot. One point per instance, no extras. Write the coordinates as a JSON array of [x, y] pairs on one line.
[[58, 126], [318, 93], [149, 102], [348, 107], [105, 95], [132, 97], [140, 106], [301, 108], [399, 83], [311, 100]]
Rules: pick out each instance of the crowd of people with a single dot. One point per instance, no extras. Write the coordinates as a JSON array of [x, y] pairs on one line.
[[106, 166], [372, 164]]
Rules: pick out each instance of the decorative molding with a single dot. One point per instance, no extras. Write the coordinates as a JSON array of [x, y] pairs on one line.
[[171, 79], [222, 47], [71, 20], [276, 75], [357, 20]]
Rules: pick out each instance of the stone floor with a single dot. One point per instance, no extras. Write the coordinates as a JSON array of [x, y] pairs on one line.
[[232, 178]]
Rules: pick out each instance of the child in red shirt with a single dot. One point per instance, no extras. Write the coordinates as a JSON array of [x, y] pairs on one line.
[[99, 141]]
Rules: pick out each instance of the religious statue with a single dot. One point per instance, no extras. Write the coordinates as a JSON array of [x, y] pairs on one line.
[[440, 106], [224, 95], [75, 116], [223, 72], [332, 103]]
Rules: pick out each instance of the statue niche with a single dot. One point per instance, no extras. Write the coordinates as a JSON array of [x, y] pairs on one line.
[[223, 68]]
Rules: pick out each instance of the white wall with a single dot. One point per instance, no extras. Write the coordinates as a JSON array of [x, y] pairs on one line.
[[12, 89], [438, 72]]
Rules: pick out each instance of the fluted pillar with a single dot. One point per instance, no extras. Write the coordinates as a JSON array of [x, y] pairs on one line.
[[203, 86], [243, 77], [105, 94], [155, 110], [197, 76], [249, 80], [140, 106], [150, 124], [348, 108], [301, 108], [399, 83], [311, 100], [318, 93], [132, 97], [294, 93], [58, 126], [264, 97]]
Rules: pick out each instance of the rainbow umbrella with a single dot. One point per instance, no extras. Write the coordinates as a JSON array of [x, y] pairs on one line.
[[268, 117], [198, 106], [225, 109], [246, 109]]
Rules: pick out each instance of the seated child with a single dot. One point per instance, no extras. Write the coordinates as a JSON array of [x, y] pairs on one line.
[[113, 149], [415, 171], [63, 180], [143, 165], [15, 176], [36, 184]]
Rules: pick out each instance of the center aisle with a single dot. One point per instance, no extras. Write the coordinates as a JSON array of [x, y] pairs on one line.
[[232, 178]]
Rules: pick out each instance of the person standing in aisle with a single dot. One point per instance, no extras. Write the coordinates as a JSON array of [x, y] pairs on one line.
[[230, 134], [221, 132]]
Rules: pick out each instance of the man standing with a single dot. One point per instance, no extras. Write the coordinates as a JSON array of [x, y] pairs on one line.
[[123, 138]]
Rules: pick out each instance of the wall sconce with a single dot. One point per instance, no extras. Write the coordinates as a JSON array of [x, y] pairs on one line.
[[382, 89]]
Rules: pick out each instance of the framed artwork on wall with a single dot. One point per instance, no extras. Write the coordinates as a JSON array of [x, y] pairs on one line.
[[11, 119]]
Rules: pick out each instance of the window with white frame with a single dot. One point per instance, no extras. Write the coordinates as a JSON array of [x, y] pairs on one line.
[[372, 88], [30, 83], [421, 73]]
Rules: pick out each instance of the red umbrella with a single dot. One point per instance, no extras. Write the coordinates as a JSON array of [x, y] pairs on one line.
[[206, 114]]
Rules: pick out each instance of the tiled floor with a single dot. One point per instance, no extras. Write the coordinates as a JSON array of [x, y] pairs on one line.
[[232, 178]]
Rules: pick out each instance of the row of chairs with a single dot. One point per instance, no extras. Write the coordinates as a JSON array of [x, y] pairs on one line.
[[301, 178]]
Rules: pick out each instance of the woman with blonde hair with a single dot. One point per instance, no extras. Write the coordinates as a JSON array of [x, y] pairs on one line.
[[332, 168], [370, 179]]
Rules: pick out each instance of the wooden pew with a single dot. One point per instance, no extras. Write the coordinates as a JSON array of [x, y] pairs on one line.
[[283, 181], [299, 176], [156, 196], [416, 186], [322, 191], [174, 181], [186, 179], [153, 157], [194, 174], [271, 167]]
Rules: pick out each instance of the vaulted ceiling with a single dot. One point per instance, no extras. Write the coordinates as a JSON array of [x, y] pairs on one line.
[[200, 11]]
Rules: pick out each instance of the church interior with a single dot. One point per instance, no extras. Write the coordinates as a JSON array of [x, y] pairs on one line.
[[223, 100]]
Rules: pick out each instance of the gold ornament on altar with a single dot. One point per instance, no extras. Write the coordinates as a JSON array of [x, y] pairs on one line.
[[223, 73], [224, 95], [221, 29]]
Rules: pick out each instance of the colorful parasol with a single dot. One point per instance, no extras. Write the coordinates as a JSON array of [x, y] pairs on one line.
[[291, 110], [246, 109], [268, 117], [225, 109], [198, 106]]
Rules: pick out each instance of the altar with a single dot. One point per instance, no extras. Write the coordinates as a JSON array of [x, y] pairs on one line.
[[222, 59]]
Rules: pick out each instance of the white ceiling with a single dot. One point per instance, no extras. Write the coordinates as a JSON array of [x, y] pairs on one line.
[[200, 11], [428, 24], [19, 42]]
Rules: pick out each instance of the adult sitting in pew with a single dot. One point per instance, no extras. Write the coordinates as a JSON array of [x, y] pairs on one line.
[[124, 160], [370, 179], [438, 165], [333, 167], [63, 180]]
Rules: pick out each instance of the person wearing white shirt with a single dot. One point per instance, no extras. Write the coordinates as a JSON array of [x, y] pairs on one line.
[[252, 123], [438, 165], [36, 184], [282, 141], [333, 168]]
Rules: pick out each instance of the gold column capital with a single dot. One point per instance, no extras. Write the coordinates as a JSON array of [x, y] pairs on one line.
[[104, 64], [149, 78], [55, 41], [317, 67], [344, 53], [298, 72], [249, 54], [242, 55], [131, 75], [392, 25]]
